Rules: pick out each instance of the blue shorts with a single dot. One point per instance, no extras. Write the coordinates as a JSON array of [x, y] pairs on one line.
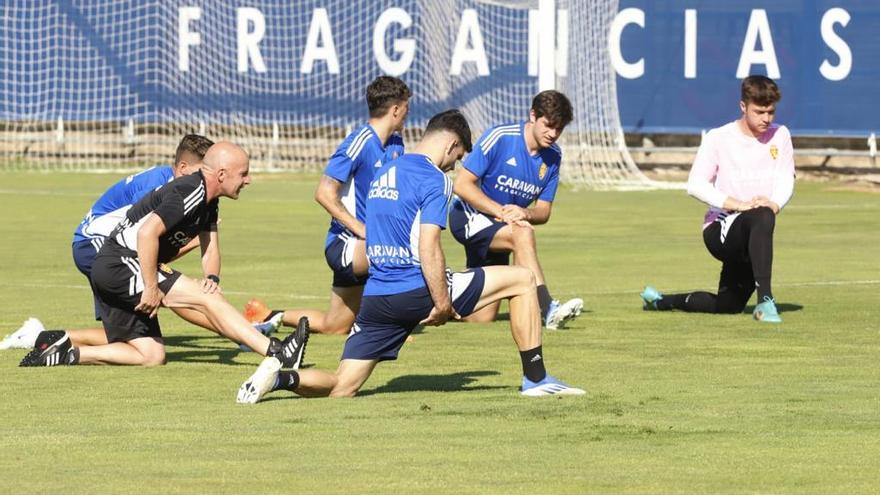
[[384, 322], [84, 253], [475, 231], [340, 256]]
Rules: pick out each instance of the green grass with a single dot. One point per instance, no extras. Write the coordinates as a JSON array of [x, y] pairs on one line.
[[678, 403]]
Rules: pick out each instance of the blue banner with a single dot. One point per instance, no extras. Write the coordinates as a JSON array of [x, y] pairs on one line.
[[680, 63]]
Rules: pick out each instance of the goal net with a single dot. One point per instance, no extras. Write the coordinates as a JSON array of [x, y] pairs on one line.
[[106, 85]]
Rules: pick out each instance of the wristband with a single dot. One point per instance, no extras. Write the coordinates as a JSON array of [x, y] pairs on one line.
[[213, 277]]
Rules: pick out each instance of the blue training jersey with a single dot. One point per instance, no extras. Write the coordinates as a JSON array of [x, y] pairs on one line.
[[111, 207], [353, 164], [508, 173], [404, 194]]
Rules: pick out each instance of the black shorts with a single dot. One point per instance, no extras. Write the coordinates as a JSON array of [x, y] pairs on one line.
[[475, 231], [117, 284], [339, 254], [384, 322]]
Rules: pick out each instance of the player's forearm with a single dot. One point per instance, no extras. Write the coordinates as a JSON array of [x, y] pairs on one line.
[[539, 215], [434, 271], [211, 257], [472, 195], [148, 257], [329, 200], [783, 190], [706, 192]]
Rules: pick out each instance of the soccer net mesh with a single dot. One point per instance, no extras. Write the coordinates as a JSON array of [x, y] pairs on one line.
[[113, 85]]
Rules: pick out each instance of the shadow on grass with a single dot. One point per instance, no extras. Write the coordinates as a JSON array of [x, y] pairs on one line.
[[202, 349], [781, 307], [434, 383], [456, 382]]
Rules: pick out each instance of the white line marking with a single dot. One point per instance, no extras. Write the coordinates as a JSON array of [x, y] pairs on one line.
[[230, 292]]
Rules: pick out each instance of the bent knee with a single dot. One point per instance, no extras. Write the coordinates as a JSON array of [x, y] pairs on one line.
[[153, 359], [765, 216], [343, 393]]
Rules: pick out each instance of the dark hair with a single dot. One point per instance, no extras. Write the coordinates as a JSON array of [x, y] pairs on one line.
[[760, 90], [194, 144], [452, 121], [553, 105], [384, 92]]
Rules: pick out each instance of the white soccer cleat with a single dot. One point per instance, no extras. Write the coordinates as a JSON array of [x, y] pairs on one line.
[[560, 314], [24, 337], [266, 328], [260, 383], [550, 385]]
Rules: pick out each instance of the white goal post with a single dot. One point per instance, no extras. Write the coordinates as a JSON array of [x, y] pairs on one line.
[[113, 85]]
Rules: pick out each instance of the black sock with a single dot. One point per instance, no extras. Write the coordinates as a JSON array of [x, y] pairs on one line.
[[544, 299], [533, 364], [272, 314], [763, 288], [73, 356], [287, 380]]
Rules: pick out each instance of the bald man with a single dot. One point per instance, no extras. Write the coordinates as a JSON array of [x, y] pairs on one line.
[[131, 280]]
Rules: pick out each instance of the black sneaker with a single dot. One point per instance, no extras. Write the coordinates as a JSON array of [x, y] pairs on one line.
[[50, 349], [291, 350]]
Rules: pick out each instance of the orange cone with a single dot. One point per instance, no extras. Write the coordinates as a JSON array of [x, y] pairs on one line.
[[256, 311]]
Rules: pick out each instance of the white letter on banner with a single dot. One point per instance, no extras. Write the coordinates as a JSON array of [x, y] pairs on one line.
[[319, 29], [185, 37], [405, 47], [759, 27], [249, 41], [841, 71], [469, 29], [690, 43], [621, 20]]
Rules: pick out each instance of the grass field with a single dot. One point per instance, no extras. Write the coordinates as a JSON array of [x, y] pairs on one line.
[[677, 403]]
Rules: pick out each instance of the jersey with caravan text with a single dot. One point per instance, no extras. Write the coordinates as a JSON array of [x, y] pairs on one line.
[[508, 173], [110, 208], [405, 194], [353, 164], [183, 207]]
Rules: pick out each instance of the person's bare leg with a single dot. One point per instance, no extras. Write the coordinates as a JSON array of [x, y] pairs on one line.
[[348, 379], [187, 293], [487, 314], [521, 242], [144, 351], [337, 320], [518, 285], [96, 336]]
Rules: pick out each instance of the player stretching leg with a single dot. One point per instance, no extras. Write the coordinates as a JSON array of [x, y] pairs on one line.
[[744, 171], [407, 208], [131, 280], [100, 221], [514, 166], [343, 193]]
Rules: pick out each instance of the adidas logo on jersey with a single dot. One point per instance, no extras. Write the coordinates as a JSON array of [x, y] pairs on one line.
[[385, 187], [511, 162]]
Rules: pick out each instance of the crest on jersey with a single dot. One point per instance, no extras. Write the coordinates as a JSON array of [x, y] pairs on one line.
[[774, 151], [394, 155], [165, 268], [542, 171]]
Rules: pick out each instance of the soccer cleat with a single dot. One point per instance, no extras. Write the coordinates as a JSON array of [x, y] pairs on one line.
[[550, 385], [292, 349], [24, 337], [256, 311], [50, 349], [260, 383], [766, 311], [266, 328], [560, 314], [650, 296]]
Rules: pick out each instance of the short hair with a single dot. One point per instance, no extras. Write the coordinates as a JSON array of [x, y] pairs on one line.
[[554, 106], [384, 92], [452, 121], [760, 90], [192, 143]]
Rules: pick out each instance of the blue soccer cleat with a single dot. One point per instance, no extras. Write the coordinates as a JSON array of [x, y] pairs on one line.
[[550, 385], [766, 311], [650, 296], [558, 314]]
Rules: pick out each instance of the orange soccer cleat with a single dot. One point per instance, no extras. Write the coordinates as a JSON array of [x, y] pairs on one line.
[[256, 311]]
